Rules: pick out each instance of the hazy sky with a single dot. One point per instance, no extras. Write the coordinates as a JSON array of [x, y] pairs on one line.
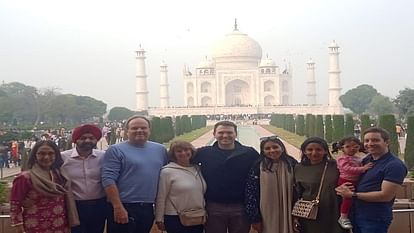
[[87, 47]]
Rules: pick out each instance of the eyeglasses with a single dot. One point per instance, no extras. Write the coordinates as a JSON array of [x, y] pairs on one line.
[[273, 137]]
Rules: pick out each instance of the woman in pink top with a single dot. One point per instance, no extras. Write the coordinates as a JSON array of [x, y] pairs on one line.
[[350, 168]]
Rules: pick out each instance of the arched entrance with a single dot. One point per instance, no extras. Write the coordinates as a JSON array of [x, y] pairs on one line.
[[237, 93]]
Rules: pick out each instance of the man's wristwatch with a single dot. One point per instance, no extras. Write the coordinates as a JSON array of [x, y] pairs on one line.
[[354, 195]]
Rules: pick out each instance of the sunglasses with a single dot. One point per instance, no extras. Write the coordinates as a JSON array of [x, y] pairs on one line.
[[273, 137]]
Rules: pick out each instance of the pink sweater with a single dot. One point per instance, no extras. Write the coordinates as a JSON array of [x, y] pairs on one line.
[[350, 167]]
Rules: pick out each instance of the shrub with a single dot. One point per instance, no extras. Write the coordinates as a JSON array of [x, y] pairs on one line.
[[388, 122], [328, 128], [409, 147], [319, 129], [338, 127], [349, 125], [300, 125]]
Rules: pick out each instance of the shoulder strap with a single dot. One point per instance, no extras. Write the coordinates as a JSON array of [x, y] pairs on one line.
[[198, 173], [321, 183]]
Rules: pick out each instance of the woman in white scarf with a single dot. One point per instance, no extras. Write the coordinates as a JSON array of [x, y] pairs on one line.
[[269, 191]]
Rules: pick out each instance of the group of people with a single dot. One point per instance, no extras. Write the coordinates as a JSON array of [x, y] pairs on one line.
[[225, 187]]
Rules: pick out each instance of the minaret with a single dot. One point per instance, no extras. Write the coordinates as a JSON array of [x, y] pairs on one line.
[[164, 96], [334, 88], [311, 82], [141, 82]]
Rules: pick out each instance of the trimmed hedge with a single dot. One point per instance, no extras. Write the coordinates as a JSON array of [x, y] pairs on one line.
[[349, 125], [290, 123], [319, 129], [338, 127], [388, 122], [300, 125], [155, 130], [409, 147], [328, 128]]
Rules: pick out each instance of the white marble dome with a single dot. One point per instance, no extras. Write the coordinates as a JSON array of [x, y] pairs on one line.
[[237, 44]]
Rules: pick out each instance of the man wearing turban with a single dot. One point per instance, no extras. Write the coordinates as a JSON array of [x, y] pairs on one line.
[[83, 165]]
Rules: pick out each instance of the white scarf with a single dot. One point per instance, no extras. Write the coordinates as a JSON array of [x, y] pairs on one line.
[[276, 194]]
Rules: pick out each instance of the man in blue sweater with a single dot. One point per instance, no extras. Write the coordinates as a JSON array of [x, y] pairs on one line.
[[225, 166], [130, 176]]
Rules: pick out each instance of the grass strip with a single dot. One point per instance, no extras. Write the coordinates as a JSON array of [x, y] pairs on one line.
[[293, 139]]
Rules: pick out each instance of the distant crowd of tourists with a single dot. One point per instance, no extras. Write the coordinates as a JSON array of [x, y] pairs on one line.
[[224, 187]]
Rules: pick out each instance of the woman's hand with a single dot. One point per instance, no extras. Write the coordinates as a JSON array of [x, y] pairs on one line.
[[258, 226], [160, 226], [296, 224]]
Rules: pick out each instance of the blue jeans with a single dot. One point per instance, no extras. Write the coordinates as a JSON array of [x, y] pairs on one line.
[[369, 226], [141, 219]]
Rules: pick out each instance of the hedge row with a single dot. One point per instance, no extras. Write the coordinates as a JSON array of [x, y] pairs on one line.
[[165, 129], [335, 127]]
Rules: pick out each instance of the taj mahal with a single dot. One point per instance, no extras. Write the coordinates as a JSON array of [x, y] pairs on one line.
[[238, 80]]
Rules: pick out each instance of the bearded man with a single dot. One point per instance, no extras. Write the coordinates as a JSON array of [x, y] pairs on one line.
[[83, 165]]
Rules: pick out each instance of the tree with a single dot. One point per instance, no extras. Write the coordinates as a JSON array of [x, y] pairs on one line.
[[178, 126], [156, 130], [359, 98], [381, 105], [290, 123], [365, 122], [388, 122], [25, 101], [309, 125], [74, 109], [409, 147], [349, 125], [119, 113], [328, 128], [7, 109], [338, 127], [405, 102], [300, 125], [319, 130]]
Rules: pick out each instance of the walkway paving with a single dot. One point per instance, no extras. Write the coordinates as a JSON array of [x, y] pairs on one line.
[[292, 150], [203, 140], [6, 172]]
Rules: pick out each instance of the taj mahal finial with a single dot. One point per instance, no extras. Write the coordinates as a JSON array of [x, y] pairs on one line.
[[235, 25]]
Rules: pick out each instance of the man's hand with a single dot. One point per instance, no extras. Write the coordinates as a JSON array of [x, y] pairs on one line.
[[345, 190], [120, 215], [258, 226]]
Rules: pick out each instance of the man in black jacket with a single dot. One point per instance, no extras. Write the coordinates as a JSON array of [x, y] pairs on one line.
[[225, 166]]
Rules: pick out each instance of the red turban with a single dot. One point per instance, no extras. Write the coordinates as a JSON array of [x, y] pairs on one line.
[[77, 132]]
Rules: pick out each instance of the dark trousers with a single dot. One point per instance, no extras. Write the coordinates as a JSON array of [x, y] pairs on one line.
[[92, 216], [173, 225], [141, 219], [226, 218]]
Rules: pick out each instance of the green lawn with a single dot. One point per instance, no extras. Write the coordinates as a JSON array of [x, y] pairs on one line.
[[291, 138], [191, 136]]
